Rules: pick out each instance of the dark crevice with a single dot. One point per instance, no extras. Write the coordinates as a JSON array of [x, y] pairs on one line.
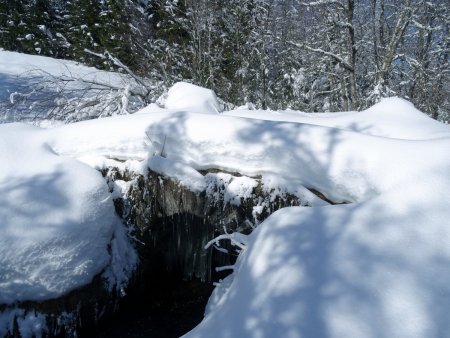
[[168, 292], [174, 280], [161, 306], [324, 198]]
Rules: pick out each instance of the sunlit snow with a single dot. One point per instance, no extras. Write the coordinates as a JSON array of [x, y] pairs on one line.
[[57, 218], [377, 267]]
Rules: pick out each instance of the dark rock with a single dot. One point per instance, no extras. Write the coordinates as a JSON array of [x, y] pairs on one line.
[[68, 315], [173, 224]]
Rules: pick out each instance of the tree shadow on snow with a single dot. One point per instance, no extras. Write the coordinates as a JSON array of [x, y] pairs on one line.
[[338, 269], [29, 198], [310, 274]]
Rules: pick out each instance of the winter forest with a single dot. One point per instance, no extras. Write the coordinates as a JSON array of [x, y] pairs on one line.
[[325, 55], [224, 168]]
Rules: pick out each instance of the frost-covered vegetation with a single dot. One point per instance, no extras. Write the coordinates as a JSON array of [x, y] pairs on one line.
[[308, 55], [41, 89]]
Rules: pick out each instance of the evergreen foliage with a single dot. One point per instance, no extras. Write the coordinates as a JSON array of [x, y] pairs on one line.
[[311, 55]]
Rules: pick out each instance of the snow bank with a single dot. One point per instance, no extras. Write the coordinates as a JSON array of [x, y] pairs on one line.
[[323, 153], [377, 268], [344, 165], [184, 96], [373, 269], [392, 117], [57, 219]]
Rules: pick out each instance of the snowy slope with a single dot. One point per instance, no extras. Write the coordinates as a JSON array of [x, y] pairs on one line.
[[32, 87], [375, 268], [372, 269]]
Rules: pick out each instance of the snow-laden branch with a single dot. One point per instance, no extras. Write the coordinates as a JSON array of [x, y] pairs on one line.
[[224, 268], [71, 97], [335, 57], [322, 3], [99, 55], [236, 239], [120, 64]]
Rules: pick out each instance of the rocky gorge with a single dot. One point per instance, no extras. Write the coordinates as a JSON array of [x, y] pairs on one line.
[[169, 224]]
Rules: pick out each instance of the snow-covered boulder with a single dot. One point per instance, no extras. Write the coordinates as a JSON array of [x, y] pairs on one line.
[[57, 219], [183, 96], [58, 229]]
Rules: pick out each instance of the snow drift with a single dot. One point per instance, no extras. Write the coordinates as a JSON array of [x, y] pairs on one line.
[[374, 268], [57, 219], [183, 96]]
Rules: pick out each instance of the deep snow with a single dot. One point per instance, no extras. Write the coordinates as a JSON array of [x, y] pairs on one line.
[[57, 219], [372, 269], [375, 268], [184, 96]]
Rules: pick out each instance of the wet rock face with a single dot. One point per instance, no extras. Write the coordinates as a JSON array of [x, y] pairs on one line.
[[173, 223]]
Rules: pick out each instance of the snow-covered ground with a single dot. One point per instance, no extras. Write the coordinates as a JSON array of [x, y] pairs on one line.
[[377, 267], [13, 63], [35, 88]]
